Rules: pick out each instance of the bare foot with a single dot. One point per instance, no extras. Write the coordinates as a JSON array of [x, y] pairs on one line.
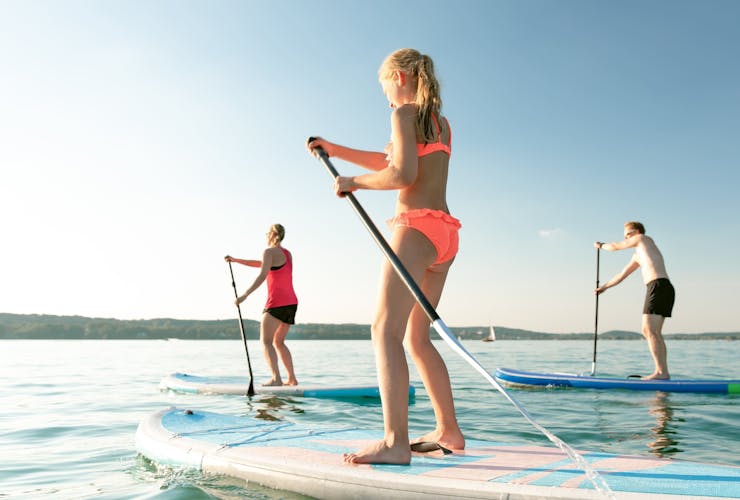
[[272, 383], [380, 453], [291, 381], [657, 376], [452, 440]]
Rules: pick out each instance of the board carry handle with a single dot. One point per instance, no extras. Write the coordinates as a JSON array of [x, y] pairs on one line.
[[444, 332]]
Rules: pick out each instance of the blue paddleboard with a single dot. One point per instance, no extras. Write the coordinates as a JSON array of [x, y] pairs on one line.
[[520, 378], [307, 459], [182, 382]]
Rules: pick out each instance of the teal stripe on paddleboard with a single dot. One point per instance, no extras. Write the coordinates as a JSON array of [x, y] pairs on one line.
[[510, 464]]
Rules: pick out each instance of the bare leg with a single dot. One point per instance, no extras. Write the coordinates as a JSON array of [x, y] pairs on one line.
[[430, 365], [268, 327], [392, 313], [278, 343], [652, 330]]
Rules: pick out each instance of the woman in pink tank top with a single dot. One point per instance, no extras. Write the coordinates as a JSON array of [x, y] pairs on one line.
[[276, 267]]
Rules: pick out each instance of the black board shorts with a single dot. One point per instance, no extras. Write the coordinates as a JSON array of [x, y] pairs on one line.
[[286, 314], [659, 298]]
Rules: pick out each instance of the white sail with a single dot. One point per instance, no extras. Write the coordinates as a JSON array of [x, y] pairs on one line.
[[491, 335]]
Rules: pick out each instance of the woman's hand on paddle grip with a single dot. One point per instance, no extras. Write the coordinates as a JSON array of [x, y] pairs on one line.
[[344, 185], [315, 143]]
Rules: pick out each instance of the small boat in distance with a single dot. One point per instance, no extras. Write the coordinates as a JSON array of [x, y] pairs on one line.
[[491, 335]]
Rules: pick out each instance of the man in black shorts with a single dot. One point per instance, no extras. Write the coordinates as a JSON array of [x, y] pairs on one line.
[[660, 293]]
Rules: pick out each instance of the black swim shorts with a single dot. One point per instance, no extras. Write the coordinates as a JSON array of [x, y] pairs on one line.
[[659, 298], [286, 314]]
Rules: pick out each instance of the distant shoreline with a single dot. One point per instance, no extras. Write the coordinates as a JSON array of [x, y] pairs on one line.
[[49, 327]]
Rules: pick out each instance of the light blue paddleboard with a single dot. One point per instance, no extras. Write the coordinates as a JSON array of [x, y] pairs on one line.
[[182, 382], [520, 378], [308, 460]]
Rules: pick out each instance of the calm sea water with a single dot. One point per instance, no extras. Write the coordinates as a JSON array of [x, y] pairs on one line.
[[70, 408]]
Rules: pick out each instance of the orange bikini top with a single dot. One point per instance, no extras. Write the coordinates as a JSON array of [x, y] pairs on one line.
[[429, 148]]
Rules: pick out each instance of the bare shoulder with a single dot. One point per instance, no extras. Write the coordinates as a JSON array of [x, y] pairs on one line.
[[270, 253], [403, 124], [642, 240], [648, 242], [277, 257], [634, 241]]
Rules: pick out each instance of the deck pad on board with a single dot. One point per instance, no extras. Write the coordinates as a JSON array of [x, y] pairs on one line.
[[225, 384], [521, 378], [308, 460]]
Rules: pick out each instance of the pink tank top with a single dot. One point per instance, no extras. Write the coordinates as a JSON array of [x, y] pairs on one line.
[[280, 284]]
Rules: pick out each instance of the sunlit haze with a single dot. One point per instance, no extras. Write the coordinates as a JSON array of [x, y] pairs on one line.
[[141, 141]]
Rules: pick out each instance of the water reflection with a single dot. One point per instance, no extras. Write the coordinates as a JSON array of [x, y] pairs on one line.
[[665, 433], [270, 407]]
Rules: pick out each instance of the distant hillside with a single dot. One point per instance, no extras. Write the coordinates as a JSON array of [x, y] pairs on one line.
[[35, 326]]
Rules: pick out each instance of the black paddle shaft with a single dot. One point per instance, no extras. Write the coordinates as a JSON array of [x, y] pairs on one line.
[[382, 243], [596, 314], [250, 391]]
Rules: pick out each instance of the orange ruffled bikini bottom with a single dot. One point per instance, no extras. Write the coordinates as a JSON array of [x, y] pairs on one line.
[[439, 227]]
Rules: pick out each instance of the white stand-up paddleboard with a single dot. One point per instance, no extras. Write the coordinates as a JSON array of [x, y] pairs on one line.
[[307, 459], [182, 382]]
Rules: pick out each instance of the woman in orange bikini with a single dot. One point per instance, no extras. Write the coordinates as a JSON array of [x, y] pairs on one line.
[[276, 267], [425, 238]]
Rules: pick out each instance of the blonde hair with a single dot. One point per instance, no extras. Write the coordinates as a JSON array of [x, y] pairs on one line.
[[279, 231], [637, 226], [428, 97]]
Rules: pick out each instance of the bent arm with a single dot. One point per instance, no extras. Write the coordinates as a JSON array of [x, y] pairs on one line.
[[403, 168], [619, 277], [630, 242], [264, 269], [244, 262], [371, 160]]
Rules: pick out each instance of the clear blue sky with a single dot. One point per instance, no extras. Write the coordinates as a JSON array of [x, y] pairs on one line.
[[141, 141]]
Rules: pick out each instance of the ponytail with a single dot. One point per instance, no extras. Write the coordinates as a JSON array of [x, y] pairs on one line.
[[428, 95]]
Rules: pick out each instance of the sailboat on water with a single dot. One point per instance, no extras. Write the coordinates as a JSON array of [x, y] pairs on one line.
[[491, 335]]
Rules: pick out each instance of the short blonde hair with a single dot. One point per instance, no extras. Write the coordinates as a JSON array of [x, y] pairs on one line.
[[278, 230], [637, 226]]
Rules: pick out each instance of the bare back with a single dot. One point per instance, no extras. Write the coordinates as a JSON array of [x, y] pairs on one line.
[[430, 188], [649, 258], [277, 257]]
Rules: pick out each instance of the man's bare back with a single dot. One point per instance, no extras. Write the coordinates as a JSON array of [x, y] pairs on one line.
[[649, 258]]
